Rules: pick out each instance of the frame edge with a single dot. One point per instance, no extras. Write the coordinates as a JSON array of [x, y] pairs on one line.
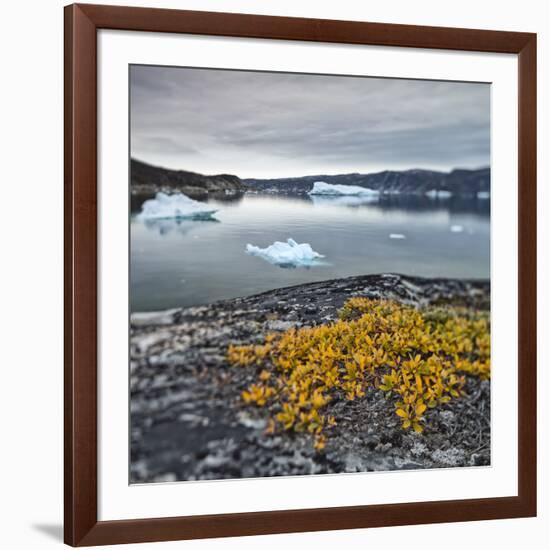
[[80, 287], [527, 276], [80, 266]]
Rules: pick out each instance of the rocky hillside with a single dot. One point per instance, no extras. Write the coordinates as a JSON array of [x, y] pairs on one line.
[[459, 182], [147, 179]]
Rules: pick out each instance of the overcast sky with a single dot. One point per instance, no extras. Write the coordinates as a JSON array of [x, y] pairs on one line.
[[263, 125]]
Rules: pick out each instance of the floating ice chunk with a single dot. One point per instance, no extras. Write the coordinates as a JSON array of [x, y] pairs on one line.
[[177, 206], [457, 228], [397, 236], [483, 195], [289, 254], [323, 188]]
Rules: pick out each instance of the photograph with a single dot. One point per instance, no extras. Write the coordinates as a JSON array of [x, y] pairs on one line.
[[309, 274]]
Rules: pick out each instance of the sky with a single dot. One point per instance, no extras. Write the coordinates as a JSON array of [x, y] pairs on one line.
[[269, 125]]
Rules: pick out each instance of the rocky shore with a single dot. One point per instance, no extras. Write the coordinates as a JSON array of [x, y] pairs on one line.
[[148, 180], [188, 421]]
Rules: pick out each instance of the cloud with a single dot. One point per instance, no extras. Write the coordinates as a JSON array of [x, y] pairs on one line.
[[261, 124]]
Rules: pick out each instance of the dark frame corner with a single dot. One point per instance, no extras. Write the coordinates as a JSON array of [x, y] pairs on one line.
[[82, 21]]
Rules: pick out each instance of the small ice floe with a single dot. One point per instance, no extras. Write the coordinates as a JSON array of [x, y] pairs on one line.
[[176, 206], [484, 195], [289, 254], [457, 228], [397, 236], [438, 194], [323, 188]]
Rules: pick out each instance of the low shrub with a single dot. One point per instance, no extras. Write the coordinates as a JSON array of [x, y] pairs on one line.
[[418, 357]]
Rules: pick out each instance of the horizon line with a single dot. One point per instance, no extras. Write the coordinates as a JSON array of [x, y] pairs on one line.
[[448, 171]]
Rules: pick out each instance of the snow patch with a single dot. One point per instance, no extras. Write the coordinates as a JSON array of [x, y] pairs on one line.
[[176, 206], [323, 188], [289, 254]]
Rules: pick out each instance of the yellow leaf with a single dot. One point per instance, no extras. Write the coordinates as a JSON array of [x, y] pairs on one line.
[[320, 442], [420, 408], [401, 413]]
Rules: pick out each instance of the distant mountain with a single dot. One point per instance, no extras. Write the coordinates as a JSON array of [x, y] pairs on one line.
[[148, 179], [419, 182]]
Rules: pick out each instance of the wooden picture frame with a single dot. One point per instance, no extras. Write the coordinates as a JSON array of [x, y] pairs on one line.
[[82, 21]]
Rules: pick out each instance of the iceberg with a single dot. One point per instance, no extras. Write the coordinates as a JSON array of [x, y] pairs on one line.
[[289, 254], [483, 195], [176, 206], [457, 228], [397, 236], [323, 188]]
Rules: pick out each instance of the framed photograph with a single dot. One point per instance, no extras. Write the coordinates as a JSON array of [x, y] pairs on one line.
[[300, 274]]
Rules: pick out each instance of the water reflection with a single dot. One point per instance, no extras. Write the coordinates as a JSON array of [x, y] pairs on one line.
[[405, 202], [422, 203], [177, 225], [356, 239], [343, 200]]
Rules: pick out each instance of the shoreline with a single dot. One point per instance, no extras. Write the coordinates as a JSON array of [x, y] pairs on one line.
[[397, 287]]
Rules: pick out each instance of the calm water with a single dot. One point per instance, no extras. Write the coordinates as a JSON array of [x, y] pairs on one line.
[[195, 262]]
